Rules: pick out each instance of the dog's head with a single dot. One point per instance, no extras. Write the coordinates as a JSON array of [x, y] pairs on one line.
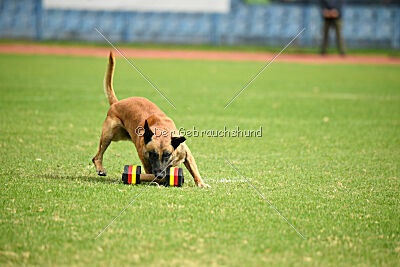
[[159, 150]]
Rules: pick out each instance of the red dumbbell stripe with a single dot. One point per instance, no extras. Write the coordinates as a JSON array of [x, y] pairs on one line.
[[130, 174], [176, 170]]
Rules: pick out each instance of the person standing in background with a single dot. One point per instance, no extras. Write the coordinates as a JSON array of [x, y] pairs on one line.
[[332, 11]]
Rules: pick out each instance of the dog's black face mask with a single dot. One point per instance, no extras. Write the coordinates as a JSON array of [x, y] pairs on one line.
[[159, 150], [159, 164]]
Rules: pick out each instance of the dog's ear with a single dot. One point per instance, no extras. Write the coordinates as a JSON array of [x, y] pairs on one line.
[[148, 134], [177, 140]]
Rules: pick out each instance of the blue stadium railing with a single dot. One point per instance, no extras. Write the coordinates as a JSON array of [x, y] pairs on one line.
[[275, 24]]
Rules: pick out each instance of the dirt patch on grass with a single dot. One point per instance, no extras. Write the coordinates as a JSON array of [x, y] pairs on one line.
[[195, 54]]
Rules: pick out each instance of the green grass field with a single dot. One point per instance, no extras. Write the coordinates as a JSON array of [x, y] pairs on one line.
[[328, 160]]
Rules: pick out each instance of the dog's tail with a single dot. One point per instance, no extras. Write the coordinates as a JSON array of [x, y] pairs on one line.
[[108, 80]]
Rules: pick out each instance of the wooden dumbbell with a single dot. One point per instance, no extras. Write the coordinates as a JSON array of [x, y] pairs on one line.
[[132, 175]]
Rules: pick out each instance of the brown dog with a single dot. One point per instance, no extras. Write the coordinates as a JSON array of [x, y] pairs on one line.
[[153, 133]]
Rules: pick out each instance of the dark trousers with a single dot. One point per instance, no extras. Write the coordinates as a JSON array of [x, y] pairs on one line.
[[328, 23]]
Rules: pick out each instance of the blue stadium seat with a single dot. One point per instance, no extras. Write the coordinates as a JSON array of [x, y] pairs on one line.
[[89, 20], [52, 23]]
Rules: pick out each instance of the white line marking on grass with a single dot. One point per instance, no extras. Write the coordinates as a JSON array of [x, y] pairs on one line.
[[272, 206], [261, 70], [137, 69], [227, 180]]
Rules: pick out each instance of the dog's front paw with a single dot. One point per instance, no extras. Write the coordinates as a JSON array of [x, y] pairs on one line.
[[203, 185], [102, 172]]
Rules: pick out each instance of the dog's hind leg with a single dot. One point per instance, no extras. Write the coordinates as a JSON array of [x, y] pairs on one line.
[[111, 131]]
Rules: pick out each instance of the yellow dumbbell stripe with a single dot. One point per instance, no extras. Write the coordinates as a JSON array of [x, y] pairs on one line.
[[171, 176], [133, 174]]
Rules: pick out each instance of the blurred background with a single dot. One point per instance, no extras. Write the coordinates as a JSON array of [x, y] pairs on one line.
[[365, 23]]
